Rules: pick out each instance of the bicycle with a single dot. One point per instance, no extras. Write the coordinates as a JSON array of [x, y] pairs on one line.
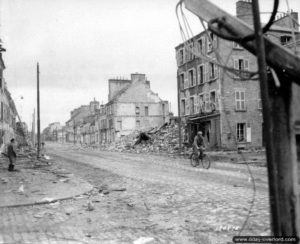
[[205, 161]]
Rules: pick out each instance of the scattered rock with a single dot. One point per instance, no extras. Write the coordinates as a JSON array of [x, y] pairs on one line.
[[143, 240], [90, 207]]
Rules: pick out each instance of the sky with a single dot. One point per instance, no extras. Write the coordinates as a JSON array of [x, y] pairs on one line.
[[80, 44]]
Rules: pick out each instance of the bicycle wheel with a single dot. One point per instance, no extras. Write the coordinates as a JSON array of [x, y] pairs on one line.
[[205, 162], [194, 160]]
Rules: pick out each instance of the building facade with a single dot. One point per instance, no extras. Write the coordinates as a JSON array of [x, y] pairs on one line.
[[132, 105], [8, 111], [225, 105]]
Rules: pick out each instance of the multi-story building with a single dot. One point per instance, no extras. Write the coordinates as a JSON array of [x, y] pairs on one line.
[[131, 106], [8, 111], [225, 106], [78, 115]]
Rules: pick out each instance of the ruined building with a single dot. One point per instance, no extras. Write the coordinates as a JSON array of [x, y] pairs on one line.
[[132, 105]]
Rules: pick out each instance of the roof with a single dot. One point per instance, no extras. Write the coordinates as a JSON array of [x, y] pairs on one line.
[[119, 93]]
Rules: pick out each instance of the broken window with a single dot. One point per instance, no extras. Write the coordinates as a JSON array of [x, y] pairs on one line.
[[241, 132], [211, 42], [285, 39], [201, 103]]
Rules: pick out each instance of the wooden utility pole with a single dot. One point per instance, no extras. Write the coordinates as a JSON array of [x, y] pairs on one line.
[[277, 112], [33, 129], [38, 113]]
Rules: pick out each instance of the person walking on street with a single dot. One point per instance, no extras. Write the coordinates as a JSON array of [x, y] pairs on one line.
[[199, 144], [12, 156]]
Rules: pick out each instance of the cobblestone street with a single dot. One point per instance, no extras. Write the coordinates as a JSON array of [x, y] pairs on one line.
[[143, 196]]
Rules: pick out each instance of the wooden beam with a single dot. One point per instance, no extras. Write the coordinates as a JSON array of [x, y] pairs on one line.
[[277, 56]]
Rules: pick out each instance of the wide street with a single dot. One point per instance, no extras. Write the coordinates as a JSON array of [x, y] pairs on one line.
[[138, 195]]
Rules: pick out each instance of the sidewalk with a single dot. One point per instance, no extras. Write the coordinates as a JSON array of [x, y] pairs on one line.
[[37, 182]]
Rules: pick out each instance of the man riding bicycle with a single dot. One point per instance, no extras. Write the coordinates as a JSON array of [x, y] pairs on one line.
[[199, 145]]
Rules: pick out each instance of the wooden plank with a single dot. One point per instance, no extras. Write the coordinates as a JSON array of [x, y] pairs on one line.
[[277, 56]]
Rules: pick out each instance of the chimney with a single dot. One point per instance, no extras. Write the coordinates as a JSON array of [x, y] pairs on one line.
[[244, 11], [136, 77]]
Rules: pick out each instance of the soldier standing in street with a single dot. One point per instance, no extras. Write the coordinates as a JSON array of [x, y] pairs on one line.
[[12, 156]]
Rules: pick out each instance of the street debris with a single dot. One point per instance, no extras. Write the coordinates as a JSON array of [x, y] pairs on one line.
[[90, 206], [47, 199], [143, 240], [21, 189]]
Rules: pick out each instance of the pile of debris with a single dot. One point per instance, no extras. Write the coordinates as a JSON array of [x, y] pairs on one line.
[[158, 140]]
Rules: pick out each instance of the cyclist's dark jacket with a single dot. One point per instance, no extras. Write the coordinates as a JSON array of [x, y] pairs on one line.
[[198, 141]]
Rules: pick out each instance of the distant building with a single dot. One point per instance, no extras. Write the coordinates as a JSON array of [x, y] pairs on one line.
[[78, 115], [224, 106]]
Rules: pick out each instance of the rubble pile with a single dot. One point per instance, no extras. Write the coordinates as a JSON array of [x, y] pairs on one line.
[[160, 140]]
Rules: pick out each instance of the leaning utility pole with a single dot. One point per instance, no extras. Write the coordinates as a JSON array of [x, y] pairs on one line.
[[38, 113], [278, 108]]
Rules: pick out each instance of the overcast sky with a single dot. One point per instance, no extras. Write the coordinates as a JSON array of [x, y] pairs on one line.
[[80, 44]]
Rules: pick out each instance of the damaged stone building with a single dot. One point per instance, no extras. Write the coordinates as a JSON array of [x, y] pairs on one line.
[[225, 106], [132, 105]]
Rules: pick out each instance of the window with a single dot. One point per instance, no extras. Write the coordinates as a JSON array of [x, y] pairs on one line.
[[213, 69], [211, 42], [200, 45], [206, 102], [213, 101], [241, 132], [119, 125], [189, 52], [0, 81], [183, 107], [241, 65], [110, 123], [201, 74], [138, 124], [137, 110], [146, 111], [285, 39], [180, 57], [240, 101], [191, 77], [163, 109], [192, 105], [236, 46], [201, 103], [181, 81], [259, 102]]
